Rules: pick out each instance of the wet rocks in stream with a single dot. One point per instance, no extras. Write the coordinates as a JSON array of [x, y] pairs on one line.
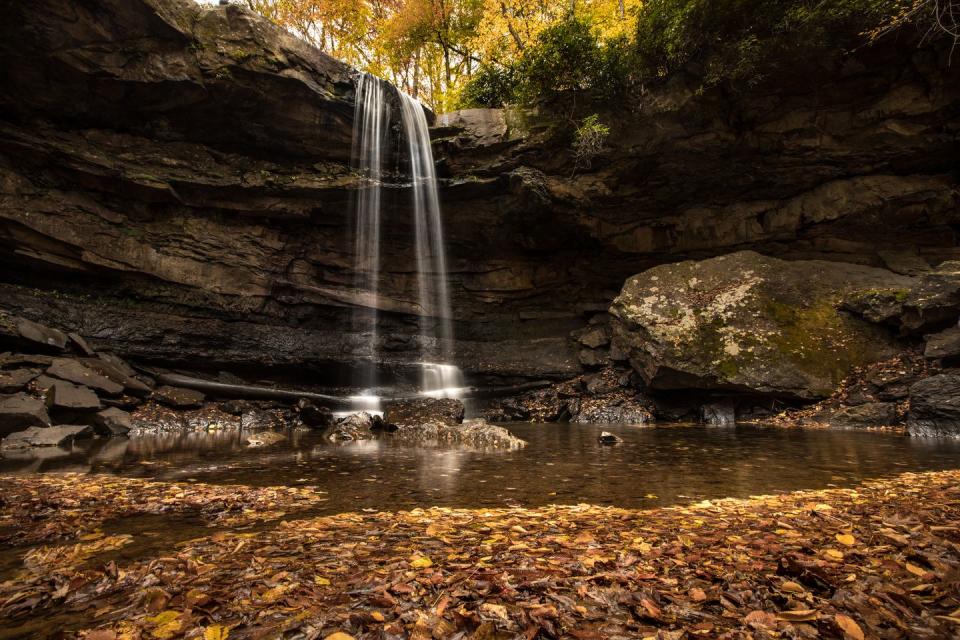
[[314, 415], [177, 397], [405, 413], [357, 426], [264, 439]]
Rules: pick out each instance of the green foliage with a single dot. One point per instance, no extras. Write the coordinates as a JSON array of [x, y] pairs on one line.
[[588, 141], [745, 41], [567, 57], [491, 86]]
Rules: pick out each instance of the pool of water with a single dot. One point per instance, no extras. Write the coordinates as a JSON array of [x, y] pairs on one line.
[[562, 464]]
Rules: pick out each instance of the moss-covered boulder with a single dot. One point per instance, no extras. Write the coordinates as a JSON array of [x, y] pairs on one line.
[[747, 322]]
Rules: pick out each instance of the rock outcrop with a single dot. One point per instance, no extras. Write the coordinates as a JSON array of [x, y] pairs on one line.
[[935, 406], [746, 322], [175, 187]]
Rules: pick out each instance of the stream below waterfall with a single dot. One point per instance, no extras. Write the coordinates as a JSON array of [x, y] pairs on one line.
[[655, 466]]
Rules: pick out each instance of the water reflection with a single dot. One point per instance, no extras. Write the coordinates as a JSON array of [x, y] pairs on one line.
[[562, 464]]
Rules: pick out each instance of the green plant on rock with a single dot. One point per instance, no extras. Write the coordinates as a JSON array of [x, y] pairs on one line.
[[589, 140]]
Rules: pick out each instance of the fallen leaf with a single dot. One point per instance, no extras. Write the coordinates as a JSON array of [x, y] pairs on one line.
[[850, 628], [798, 615], [846, 539], [216, 632]]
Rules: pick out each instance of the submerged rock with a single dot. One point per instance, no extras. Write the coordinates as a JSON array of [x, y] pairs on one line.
[[935, 406], [265, 439], [21, 411], [405, 413], [748, 322], [606, 437], [475, 433], [46, 436]]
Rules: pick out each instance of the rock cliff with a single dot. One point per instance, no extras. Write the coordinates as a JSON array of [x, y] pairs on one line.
[[175, 186]]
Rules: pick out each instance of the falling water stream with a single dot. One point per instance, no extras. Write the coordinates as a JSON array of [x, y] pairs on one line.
[[439, 378], [370, 131]]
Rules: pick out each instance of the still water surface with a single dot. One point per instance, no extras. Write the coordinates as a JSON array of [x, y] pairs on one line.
[[562, 464]]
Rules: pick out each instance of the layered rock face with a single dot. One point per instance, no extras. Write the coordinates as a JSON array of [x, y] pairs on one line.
[[175, 186]]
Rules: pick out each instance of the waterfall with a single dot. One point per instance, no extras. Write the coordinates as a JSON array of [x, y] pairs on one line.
[[371, 125], [439, 377]]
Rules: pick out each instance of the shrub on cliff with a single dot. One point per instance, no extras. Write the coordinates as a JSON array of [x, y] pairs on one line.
[[567, 57], [738, 43], [743, 41]]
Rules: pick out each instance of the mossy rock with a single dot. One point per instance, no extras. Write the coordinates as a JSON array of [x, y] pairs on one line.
[[748, 322]]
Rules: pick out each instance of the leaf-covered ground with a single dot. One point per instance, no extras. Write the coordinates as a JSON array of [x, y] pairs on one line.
[[880, 561]]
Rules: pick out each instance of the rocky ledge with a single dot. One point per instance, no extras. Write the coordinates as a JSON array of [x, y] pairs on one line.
[[55, 388]]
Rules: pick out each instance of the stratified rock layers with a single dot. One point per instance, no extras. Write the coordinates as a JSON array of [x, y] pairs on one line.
[[175, 187]]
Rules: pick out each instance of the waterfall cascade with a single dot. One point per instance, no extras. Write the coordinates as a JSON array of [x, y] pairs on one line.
[[371, 127], [439, 378]]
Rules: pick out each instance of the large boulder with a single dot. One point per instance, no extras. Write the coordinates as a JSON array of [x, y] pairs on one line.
[[403, 413], [935, 406], [21, 411], [751, 323]]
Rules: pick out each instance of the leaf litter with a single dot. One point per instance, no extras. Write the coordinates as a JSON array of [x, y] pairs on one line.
[[878, 561]]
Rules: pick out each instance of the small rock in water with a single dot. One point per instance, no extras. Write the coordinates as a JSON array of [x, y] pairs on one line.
[[358, 426], [606, 437], [313, 415], [112, 422], [264, 439], [719, 414]]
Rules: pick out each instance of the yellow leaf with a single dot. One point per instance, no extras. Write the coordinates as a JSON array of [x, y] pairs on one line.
[[833, 554], [216, 632], [915, 570], [320, 580], [376, 615], [798, 615], [167, 624], [421, 562], [792, 587], [339, 635], [850, 628], [846, 539]]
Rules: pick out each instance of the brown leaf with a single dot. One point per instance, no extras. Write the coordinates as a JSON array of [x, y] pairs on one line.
[[850, 628]]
